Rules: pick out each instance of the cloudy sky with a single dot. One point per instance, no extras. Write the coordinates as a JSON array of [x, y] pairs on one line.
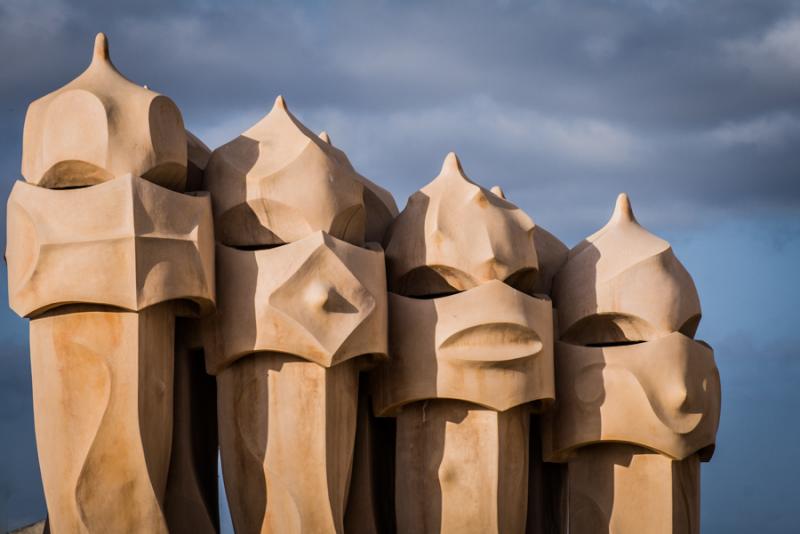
[[692, 107]]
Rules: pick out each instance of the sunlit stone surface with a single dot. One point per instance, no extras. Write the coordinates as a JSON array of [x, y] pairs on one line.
[[452, 367]]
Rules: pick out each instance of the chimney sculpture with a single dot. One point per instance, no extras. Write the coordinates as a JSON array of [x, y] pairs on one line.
[[302, 308], [159, 331], [103, 252], [638, 398], [471, 350]]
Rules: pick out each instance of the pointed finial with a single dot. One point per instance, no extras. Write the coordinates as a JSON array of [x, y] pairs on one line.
[[452, 164], [325, 137], [280, 103], [498, 192], [623, 210], [100, 47]]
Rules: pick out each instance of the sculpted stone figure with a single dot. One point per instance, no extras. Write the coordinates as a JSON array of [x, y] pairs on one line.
[[471, 350], [102, 270], [295, 322], [260, 199], [432, 388], [638, 398]]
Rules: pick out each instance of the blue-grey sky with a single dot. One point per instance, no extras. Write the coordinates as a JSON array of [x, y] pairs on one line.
[[692, 107]]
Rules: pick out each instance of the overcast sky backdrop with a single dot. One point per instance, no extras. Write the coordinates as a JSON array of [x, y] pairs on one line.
[[692, 107]]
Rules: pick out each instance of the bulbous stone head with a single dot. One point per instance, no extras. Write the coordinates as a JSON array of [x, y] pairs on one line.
[[278, 182], [100, 126], [624, 284], [454, 235]]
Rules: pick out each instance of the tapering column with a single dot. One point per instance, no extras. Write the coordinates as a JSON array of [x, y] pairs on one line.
[[638, 397], [101, 269], [471, 352], [302, 308]]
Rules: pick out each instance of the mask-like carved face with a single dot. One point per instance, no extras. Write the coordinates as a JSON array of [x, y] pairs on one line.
[[624, 284], [100, 126], [662, 394], [454, 235], [490, 345], [476, 335], [111, 244], [627, 368], [278, 182], [319, 298]]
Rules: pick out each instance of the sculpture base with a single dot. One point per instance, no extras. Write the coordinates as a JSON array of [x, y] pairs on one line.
[[623, 488], [102, 397], [461, 468], [287, 429]]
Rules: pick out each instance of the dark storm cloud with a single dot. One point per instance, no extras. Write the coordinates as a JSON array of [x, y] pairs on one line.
[[690, 106]]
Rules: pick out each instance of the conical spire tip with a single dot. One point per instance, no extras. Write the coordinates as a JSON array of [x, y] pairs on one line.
[[280, 103], [623, 210], [325, 137], [452, 164], [100, 47]]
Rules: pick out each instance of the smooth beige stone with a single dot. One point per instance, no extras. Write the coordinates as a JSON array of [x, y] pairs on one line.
[[278, 182], [461, 468], [191, 503], [127, 243], [379, 203], [624, 284], [287, 428], [102, 394], [663, 395], [454, 235], [320, 298], [491, 345], [100, 126], [198, 155], [620, 489]]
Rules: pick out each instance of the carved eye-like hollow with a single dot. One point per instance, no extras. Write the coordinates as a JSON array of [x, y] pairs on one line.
[[434, 281], [608, 330], [440, 281], [523, 280]]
